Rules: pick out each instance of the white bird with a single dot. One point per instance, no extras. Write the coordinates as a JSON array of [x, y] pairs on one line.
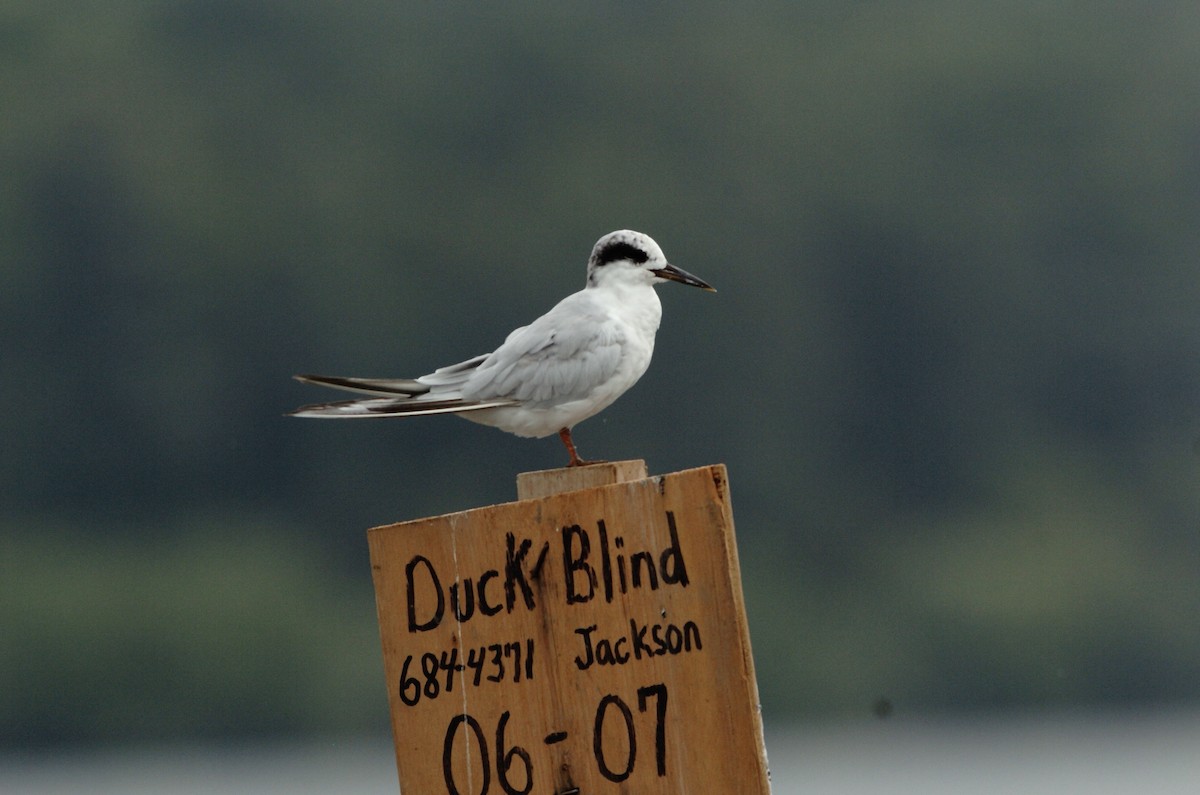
[[564, 367]]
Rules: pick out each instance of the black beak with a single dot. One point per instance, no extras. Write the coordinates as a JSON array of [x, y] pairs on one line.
[[683, 277]]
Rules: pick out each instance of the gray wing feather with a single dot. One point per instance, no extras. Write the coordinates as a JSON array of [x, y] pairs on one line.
[[373, 386], [452, 376], [441, 380], [561, 356]]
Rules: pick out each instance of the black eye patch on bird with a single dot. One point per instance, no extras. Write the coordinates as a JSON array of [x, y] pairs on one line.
[[621, 250]]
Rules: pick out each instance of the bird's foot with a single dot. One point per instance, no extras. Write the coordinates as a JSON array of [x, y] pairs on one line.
[[576, 461]]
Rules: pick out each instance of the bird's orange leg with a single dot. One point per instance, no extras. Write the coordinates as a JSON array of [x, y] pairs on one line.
[[576, 461]]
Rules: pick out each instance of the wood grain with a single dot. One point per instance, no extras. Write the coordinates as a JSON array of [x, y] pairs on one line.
[[629, 597]]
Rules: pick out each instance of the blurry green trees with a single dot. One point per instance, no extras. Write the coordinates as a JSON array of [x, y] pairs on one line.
[[952, 365]]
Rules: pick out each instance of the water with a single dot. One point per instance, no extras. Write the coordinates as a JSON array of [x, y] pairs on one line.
[[1097, 755]]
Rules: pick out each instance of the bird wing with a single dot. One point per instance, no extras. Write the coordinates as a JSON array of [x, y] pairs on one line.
[[436, 393], [562, 356]]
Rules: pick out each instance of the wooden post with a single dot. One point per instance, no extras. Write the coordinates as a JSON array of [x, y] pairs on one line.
[[587, 639]]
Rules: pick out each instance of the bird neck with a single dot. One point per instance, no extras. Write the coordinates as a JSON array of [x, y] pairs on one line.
[[637, 304]]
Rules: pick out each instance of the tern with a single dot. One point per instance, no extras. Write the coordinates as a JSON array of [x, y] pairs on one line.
[[564, 367]]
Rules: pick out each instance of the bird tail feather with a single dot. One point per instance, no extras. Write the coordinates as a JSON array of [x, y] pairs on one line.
[[390, 407]]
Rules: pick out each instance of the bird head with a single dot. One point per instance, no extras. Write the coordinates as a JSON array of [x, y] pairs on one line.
[[627, 257]]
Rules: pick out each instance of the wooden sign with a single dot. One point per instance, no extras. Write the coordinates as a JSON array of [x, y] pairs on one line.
[[587, 641]]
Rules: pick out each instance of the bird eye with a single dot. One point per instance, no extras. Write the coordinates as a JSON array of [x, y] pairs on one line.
[[621, 250]]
